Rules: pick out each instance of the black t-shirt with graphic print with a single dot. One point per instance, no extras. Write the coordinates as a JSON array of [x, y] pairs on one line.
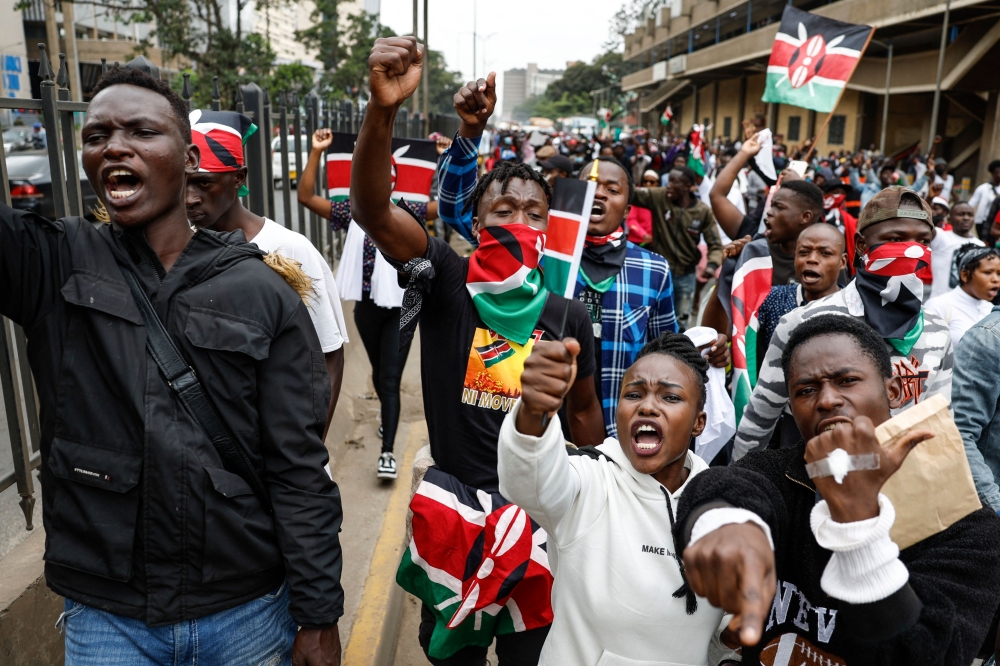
[[471, 376]]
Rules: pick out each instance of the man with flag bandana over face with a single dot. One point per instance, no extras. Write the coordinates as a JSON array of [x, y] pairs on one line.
[[893, 255], [479, 319]]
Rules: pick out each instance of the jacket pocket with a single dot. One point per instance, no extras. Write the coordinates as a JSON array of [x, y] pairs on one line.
[[97, 292], [211, 329], [609, 659], [239, 535], [95, 507]]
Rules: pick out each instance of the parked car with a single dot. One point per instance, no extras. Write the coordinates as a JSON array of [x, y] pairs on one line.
[[16, 138], [31, 185], [293, 172]]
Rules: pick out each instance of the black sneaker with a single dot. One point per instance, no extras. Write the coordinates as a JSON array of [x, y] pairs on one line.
[[387, 466]]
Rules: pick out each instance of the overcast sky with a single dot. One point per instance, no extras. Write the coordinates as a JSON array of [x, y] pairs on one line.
[[512, 33]]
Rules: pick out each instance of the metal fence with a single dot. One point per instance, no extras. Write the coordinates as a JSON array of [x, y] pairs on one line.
[[291, 117]]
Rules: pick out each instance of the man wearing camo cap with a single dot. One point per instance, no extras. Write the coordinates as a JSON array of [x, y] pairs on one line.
[[892, 260]]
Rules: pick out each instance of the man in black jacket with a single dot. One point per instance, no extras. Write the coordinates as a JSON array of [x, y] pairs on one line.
[[806, 564], [163, 554]]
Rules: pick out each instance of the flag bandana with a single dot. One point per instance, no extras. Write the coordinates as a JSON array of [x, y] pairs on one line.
[[812, 59], [220, 137], [477, 561], [831, 201], [742, 294], [504, 279], [890, 285], [569, 217], [603, 258], [413, 164]]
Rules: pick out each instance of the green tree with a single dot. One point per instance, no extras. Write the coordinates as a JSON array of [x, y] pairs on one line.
[[349, 76], [443, 84], [293, 77], [234, 63], [323, 35], [570, 95]]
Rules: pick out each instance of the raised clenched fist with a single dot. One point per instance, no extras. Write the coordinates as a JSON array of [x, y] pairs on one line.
[[394, 66]]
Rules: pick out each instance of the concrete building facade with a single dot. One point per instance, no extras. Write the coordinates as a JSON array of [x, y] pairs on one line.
[[520, 84], [707, 58]]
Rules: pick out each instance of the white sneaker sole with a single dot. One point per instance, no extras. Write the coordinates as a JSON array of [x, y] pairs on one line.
[[387, 475]]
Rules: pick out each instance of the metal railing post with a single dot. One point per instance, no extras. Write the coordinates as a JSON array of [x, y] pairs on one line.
[[74, 196], [257, 153], [312, 122], [286, 180], [216, 102], [18, 416], [53, 140], [297, 139], [185, 91], [266, 127]]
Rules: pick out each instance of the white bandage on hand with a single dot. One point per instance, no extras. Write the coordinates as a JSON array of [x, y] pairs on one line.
[[839, 462]]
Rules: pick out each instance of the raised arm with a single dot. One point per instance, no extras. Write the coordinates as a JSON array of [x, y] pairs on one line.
[[394, 67], [306, 193], [729, 216]]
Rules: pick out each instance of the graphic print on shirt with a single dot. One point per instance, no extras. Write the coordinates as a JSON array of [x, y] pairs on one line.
[[913, 378], [493, 376], [794, 650]]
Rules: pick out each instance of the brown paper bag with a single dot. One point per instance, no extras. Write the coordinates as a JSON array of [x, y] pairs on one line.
[[933, 489]]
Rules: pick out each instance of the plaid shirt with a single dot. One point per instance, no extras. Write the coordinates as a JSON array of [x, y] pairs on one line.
[[458, 172], [637, 308]]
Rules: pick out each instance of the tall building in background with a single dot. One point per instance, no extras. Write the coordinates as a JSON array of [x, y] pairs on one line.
[[520, 84], [278, 24]]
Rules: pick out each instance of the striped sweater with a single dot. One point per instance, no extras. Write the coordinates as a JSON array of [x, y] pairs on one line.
[[925, 371]]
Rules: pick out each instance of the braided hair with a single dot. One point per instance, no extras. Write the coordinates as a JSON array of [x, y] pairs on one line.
[[610, 160], [504, 173], [680, 347]]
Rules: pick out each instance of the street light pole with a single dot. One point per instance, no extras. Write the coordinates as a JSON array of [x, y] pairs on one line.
[[427, 73], [885, 104], [474, 38], [415, 98]]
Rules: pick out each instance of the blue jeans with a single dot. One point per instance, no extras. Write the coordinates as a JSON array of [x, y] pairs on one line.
[[259, 632], [684, 286]]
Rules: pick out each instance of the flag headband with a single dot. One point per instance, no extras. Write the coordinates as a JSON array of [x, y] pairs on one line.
[[220, 137]]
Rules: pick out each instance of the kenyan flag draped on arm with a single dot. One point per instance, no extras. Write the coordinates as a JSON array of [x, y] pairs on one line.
[[569, 215], [696, 149], [812, 60], [743, 292]]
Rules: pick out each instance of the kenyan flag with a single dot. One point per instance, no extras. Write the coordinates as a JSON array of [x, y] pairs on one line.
[[413, 165], [495, 353], [696, 152], [569, 215], [477, 561], [742, 297], [812, 60]]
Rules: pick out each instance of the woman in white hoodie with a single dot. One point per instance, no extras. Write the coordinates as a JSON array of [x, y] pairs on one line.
[[620, 597]]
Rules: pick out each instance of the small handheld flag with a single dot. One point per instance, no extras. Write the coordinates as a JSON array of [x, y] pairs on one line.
[[696, 155], [812, 60], [413, 164], [668, 114], [569, 215]]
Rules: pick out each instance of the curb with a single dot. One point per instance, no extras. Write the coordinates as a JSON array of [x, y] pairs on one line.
[[376, 628]]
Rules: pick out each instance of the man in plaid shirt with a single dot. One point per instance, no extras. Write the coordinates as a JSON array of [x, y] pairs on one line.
[[627, 289]]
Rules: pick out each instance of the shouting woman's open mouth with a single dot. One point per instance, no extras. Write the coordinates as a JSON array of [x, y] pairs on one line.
[[647, 437]]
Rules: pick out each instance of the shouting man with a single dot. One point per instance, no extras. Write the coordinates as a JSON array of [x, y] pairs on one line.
[[187, 513]]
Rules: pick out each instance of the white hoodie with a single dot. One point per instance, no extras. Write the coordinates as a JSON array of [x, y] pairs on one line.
[[611, 553]]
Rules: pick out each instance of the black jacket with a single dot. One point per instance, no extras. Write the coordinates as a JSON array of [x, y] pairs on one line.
[[141, 518], [940, 617]]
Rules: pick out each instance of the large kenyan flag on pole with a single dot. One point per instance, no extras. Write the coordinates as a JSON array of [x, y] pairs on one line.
[[569, 215], [413, 165], [742, 296], [812, 60], [477, 561]]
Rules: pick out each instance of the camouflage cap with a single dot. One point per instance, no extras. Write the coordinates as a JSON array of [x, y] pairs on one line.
[[885, 206]]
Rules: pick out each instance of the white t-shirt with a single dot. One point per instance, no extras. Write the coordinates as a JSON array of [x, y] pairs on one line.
[[982, 199], [942, 252], [324, 305], [960, 310]]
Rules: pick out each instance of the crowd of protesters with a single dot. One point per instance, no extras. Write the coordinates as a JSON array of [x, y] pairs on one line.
[[588, 497]]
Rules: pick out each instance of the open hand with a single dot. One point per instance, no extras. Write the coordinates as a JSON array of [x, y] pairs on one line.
[[857, 497], [549, 373], [322, 138], [474, 103], [752, 145], [733, 567], [317, 647], [394, 66]]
